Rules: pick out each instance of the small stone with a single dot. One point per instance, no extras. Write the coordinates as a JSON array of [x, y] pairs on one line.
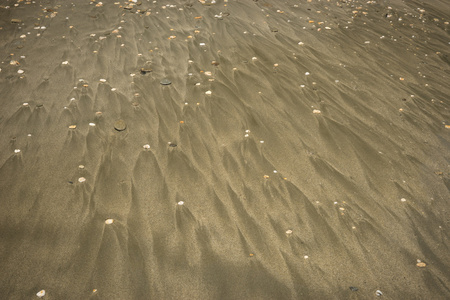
[[20, 71], [72, 126], [173, 145], [421, 264], [120, 125], [81, 167], [208, 92], [15, 21], [16, 150], [81, 179], [403, 200], [165, 81], [146, 146], [180, 202], [378, 293], [41, 293], [109, 221], [288, 231], [354, 289], [316, 111]]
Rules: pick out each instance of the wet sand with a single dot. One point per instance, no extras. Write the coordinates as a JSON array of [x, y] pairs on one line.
[[298, 150]]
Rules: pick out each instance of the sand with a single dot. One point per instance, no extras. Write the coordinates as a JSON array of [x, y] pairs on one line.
[[296, 150]]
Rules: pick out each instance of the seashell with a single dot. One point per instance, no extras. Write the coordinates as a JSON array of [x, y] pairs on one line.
[[41, 293]]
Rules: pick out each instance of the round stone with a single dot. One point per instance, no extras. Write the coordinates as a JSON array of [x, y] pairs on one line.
[[120, 125], [165, 81]]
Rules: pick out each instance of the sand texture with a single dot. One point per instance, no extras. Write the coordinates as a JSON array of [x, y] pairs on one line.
[[237, 149]]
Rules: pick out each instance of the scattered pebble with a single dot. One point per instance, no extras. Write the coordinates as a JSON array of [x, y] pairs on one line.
[[72, 126], [41, 293], [180, 202], [403, 200], [316, 111], [92, 124], [109, 221], [20, 71], [120, 125], [208, 92], [81, 179], [288, 231], [421, 264], [165, 81], [146, 146], [378, 293], [17, 151], [354, 289]]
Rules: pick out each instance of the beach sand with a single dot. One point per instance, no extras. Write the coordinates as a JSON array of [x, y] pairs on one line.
[[231, 150]]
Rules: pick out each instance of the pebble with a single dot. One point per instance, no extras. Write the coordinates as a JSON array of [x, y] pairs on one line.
[[354, 289], [146, 146], [109, 221], [120, 125], [72, 126], [20, 71], [289, 231], [180, 202], [208, 92], [41, 293], [81, 179], [17, 151], [378, 293], [165, 81], [316, 111], [421, 264], [15, 21]]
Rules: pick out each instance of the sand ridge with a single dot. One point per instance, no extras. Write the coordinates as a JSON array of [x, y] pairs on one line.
[[299, 148]]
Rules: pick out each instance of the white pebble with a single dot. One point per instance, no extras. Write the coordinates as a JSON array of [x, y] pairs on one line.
[[306, 257], [307, 73], [208, 92], [289, 231], [146, 146], [202, 44], [403, 200], [316, 111], [109, 221], [17, 151], [81, 179], [180, 202], [102, 80], [41, 293], [25, 104], [262, 142], [20, 71], [92, 124], [65, 62]]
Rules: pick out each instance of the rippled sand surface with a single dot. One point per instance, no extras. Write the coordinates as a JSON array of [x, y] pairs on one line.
[[228, 150]]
